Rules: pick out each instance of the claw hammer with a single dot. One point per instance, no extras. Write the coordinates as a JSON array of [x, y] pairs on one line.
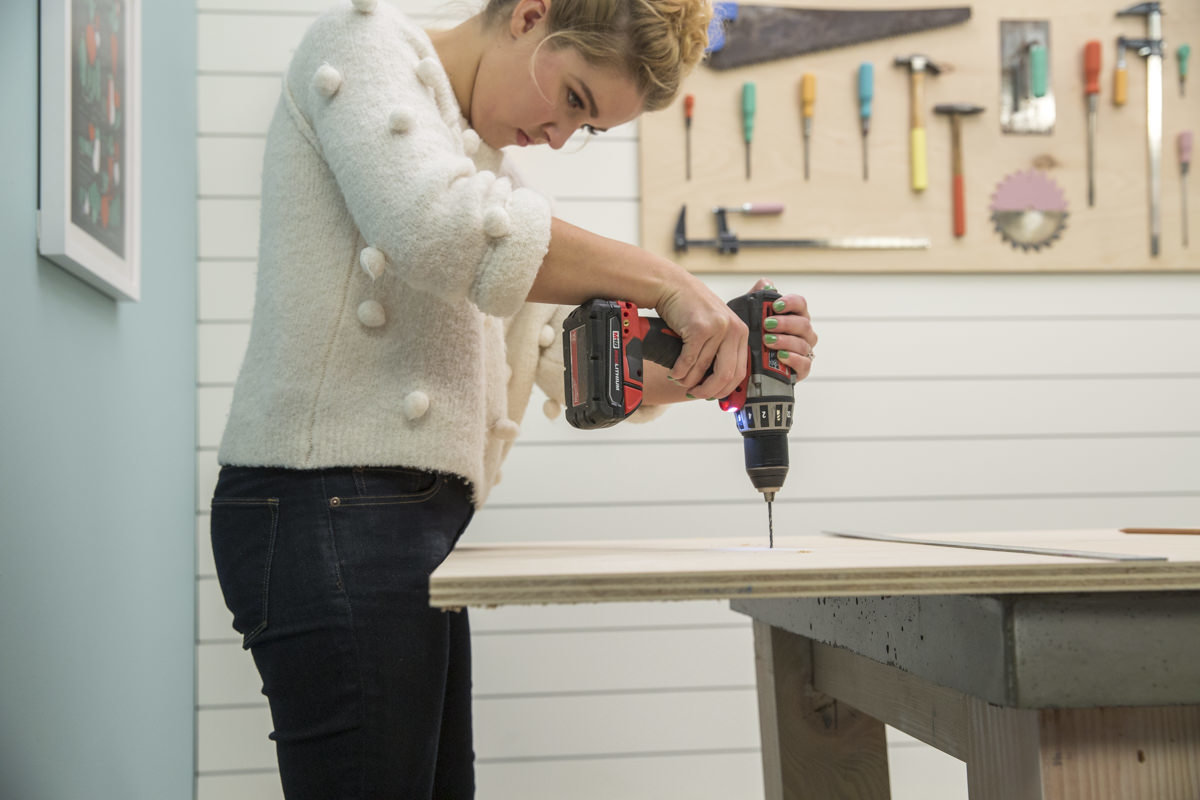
[[918, 66], [956, 111]]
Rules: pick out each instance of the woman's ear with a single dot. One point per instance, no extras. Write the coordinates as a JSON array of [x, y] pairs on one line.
[[527, 14]]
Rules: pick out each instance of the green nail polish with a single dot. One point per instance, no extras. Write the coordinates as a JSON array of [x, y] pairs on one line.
[[783, 353], [778, 304], [771, 323], [689, 396], [770, 338]]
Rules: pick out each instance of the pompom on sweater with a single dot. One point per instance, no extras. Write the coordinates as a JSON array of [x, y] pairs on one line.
[[390, 324]]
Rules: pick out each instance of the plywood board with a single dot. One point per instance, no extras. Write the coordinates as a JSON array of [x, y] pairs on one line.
[[1112, 235], [813, 566]]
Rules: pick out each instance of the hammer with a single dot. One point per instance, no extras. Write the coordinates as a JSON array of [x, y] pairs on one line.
[[917, 65], [956, 111]]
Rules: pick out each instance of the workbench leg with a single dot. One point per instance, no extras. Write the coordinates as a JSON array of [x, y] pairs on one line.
[[813, 746], [1150, 753]]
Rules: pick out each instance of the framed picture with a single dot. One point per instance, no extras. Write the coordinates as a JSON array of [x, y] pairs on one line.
[[89, 210]]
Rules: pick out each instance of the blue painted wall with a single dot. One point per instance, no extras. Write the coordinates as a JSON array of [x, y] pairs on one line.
[[97, 465]]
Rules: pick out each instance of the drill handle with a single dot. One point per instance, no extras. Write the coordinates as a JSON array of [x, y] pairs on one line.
[[660, 344]]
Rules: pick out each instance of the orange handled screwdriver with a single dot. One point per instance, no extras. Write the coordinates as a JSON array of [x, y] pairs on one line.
[[1120, 75], [1091, 75]]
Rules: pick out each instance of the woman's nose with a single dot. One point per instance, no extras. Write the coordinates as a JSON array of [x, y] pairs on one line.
[[557, 135]]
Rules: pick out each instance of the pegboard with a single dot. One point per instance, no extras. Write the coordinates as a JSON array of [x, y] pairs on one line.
[[1113, 235]]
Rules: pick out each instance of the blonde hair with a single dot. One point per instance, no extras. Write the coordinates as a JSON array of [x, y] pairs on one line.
[[656, 42]]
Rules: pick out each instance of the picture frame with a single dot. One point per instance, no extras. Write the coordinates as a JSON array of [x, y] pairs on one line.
[[89, 197]]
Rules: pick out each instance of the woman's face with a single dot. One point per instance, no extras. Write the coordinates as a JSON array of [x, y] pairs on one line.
[[528, 95]]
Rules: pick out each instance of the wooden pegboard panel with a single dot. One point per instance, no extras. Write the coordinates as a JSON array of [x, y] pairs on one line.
[[1111, 236]]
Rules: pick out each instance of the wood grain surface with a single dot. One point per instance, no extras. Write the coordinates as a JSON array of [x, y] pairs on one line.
[[812, 566]]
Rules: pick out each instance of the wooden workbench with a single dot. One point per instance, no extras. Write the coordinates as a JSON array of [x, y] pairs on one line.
[[1051, 677]]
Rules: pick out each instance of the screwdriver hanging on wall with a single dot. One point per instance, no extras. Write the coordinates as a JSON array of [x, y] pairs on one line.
[[1091, 74], [808, 101], [1185, 163], [689, 106], [1120, 75], [866, 92], [748, 108], [1182, 53]]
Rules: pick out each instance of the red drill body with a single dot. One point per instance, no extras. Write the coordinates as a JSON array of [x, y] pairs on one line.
[[605, 343]]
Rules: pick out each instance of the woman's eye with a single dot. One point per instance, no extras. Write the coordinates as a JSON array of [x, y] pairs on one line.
[[589, 130], [573, 100]]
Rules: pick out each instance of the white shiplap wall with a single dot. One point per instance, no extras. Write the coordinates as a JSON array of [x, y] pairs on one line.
[[938, 403]]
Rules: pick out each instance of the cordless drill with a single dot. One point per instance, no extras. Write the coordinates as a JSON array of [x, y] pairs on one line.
[[605, 343]]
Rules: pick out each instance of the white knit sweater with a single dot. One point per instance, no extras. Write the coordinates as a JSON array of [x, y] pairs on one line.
[[390, 327]]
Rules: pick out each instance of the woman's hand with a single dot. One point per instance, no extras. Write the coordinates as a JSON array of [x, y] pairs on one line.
[[712, 336], [790, 331]]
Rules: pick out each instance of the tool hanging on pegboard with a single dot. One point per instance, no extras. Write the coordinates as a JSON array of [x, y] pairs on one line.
[[742, 34], [727, 242], [1026, 96], [1151, 48], [1091, 90], [1029, 210]]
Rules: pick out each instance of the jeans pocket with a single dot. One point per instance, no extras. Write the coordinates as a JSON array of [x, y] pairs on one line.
[[243, 542], [377, 486]]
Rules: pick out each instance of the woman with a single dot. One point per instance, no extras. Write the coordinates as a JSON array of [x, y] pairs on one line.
[[401, 319]]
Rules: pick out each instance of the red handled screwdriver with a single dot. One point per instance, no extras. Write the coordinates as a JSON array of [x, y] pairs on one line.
[[689, 106], [1091, 74]]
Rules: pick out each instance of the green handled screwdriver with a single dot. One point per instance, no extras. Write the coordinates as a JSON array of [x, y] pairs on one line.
[[748, 103], [1182, 53], [866, 92]]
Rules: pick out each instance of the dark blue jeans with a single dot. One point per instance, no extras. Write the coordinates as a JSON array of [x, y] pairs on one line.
[[327, 575]]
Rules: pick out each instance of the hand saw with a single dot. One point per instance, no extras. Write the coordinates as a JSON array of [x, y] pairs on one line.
[[743, 34]]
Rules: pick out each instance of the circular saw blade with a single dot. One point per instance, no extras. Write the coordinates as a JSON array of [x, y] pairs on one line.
[[1029, 210]]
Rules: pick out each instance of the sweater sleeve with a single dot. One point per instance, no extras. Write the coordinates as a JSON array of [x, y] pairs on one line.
[[367, 90]]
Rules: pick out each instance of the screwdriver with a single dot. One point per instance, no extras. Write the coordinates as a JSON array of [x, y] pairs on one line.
[[866, 91], [1185, 162], [689, 105], [1091, 74], [748, 98], [1120, 75], [1181, 54], [808, 100]]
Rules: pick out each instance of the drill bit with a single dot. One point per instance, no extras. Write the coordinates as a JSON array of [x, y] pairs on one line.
[[770, 497]]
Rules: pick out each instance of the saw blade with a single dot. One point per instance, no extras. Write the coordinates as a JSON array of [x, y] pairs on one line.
[[751, 34], [1029, 210]]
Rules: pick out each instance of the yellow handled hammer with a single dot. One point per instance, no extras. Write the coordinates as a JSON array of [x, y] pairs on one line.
[[918, 66]]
